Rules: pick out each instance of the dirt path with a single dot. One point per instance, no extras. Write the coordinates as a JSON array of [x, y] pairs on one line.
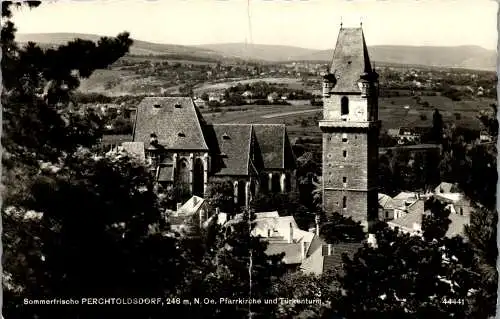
[[270, 116]]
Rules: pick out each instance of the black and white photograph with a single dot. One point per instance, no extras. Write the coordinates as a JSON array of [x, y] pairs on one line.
[[255, 159]]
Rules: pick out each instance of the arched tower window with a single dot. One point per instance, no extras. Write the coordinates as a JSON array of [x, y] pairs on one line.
[[344, 202], [344, 105]]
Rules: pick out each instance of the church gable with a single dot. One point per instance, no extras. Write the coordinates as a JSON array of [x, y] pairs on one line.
[[350, 60], [230, 145], [174, 120], [271, 139]]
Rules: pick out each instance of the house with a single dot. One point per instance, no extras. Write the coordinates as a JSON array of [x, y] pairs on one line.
[[215, 97], [408, 135], [459, 207], [282, 235], [181, 149], [485, 137], [386, 207], [273, 97], [199, 102], [193, 210], [322, 258]]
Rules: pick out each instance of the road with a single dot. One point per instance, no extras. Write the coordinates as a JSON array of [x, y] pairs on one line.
[[270, 116]]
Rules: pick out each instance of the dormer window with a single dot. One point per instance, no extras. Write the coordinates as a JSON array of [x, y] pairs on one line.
[[225, 136], [177, 106], [156, 105], [181, 134]]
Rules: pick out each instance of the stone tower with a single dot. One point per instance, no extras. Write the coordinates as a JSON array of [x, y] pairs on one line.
[[350, 129]]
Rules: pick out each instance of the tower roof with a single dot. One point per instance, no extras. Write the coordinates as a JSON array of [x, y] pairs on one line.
[[350, 60]]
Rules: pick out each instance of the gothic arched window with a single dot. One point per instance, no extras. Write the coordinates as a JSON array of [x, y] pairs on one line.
[[344, 106]]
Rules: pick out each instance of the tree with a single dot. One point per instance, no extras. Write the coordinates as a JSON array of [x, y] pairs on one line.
[[336, 228], [100, 232], [436, 222], [437, 126], [300, 286], [405, 276], [482, 235], [220, 194], [225, 270]]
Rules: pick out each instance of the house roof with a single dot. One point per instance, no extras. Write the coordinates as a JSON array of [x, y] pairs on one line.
[[385, 201], [293, 252], [191, 206], [174, 120], [445, 187], [457, 225], [271, 139], [350, 60], [231, 145], [320, 262], [414, 216]]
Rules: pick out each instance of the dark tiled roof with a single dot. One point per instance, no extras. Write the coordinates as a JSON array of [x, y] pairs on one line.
[[293, 253], [166, 173], [350, 59], [271, 139], [175, 127], [230, 145], [334, 261]]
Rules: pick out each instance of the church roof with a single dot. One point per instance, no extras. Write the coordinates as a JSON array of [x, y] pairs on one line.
[[174, 120], [273, 143], [230, 144], [350, 60]]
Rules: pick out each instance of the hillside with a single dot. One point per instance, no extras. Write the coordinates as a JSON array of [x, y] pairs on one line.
[[264, 52], [468, 57], [138, 48]]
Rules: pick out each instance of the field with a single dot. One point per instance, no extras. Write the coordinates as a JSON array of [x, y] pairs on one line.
[[292, 83], [392, 113]]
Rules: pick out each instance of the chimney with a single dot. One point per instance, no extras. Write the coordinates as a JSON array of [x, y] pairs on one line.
[[290, 238], [330, 249], [303, 246], [316, 219], [201, 218], [179, 205], [217, 210], [195, 201]]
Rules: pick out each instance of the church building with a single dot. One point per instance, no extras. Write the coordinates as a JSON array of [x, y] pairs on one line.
[[185, 152], [350, 129]]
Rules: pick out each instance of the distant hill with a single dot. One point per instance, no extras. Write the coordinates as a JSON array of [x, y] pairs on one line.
[[468, 57], [138, 48], [264, 52]]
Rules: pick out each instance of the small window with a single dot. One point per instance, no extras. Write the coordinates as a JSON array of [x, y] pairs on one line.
[[344, 179], [177, 106], [225, 136], [387, 215], [344, 202], [344, 105], [344, 138], [344, 153], [181, 134], [156, 105]]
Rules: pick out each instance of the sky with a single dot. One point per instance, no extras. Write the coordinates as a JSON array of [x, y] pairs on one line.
[[304, 23]]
